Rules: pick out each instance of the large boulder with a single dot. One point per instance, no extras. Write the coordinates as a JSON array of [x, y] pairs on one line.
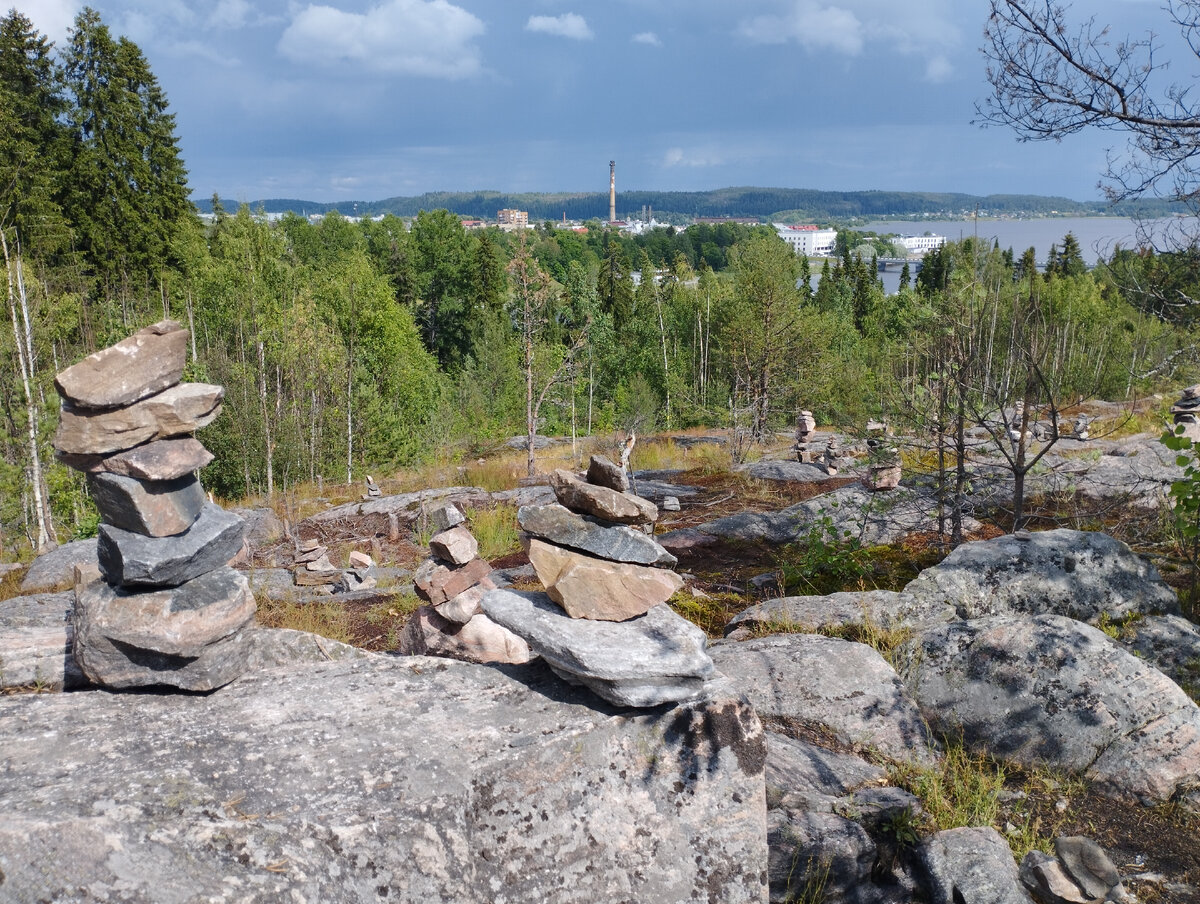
[[972, 866], [828, 688], [35, 642], [1050, 690], [1082, 574], [407, 780]]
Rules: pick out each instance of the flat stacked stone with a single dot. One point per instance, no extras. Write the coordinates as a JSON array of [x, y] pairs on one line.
[[1186, 413], [452, 582], [602, 621], [165, 609], [883, 458]]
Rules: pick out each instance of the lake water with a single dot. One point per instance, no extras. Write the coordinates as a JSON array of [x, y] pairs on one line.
[[1097, 236]]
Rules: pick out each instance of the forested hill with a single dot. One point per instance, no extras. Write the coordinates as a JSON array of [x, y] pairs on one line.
[[762, 203]]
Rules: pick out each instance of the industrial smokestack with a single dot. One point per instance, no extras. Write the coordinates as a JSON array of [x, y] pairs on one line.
[[612, 191]]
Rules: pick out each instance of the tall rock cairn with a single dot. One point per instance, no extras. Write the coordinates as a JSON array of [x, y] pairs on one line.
[[167, 610], [603, 622]]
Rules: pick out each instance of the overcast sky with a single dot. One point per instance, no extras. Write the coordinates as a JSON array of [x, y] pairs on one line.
[[369, 99]]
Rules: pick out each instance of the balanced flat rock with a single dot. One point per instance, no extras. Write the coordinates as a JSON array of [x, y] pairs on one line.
[[623, 508], [147, 362], [132, 560], [190, 637], [400, 779], [436, 583], [563, 527], [181, 409], [164, 459], [604, 472], [656, 658], [156, 508], [456, 545], [588, 587]]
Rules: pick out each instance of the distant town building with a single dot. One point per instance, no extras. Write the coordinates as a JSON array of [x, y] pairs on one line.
[[714, 221], [513, 219], [806, 239], [473, 224], [920, 244]]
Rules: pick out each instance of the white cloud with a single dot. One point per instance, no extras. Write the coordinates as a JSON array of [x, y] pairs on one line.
[[646, 37], [938, 69], [568, 25], [412, 37], [51, 17], [679, 157], [809, 24], [230, 14]]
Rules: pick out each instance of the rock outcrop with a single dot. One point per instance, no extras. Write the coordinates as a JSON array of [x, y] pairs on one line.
[[374, 778]]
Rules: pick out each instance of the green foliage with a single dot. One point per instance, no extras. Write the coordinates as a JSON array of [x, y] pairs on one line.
[[826, 561], [1185, 505]]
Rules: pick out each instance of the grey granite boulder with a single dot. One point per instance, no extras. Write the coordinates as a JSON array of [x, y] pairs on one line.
[[155, 508], [190, 637], [1170, 643], [35, 642], [788, 471], [1050, 690], [802, 775], [150, 360], [407, 780], [128, 559], [655, 658], [817, 856], [55, 568], [1077, 573], [617, 543], [164, 459], [885, 608], [604, 472], [972, 866], [831, 687]]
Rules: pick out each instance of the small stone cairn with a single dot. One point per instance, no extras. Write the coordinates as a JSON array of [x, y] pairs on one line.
[[806, 434], [833, 452], [167, 609], [883, 458], [1186, 412], [602, 621], [313, 569], [452, 581]]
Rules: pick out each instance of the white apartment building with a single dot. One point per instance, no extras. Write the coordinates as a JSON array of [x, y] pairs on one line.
[[920, 244], [807, 239]]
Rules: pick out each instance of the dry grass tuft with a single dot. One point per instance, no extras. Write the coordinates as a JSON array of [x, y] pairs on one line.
[[328, 619]]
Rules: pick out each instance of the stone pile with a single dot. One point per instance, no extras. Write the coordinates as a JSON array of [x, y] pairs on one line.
[[602, 621], [883, 458], [373, 491], [806, 434], [833, 452], [167, 609], [312, 568], [452, 582], [1186, 412]]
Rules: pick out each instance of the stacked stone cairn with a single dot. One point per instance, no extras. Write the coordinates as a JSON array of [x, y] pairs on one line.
[[833, 452], [806, 432], [452, 582], [602, 621], [312, 568], [166, 610], [883, 458], [1186, 412]]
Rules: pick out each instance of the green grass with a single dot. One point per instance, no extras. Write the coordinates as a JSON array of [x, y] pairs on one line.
[[495, 529], [326, 619]]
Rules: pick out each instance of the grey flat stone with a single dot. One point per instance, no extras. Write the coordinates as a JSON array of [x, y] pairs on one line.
[[794, 471], [149, 361], [796, 767], [885, 608], [974, 866], [155, 508], [617, 543], [132, 560], [407, 506], [659, 656], [410, 780], [164, 459], [601, 502], [604, 472], [183, 408], [190, 637]]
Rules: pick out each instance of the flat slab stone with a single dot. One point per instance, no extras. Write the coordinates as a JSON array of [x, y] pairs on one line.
[[436, 583], [190, 637], [617, 543], [885, 608], [1050, 690], [833, 687], [149, 361], [156, 508], [602, 502], [380, 778], [604, 472], [587, 587], [128, 559], [973, 865], [55, 568], [181, 409], [164, 459], [35, 642], [789, 471], [408, 506], [656, 658]]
